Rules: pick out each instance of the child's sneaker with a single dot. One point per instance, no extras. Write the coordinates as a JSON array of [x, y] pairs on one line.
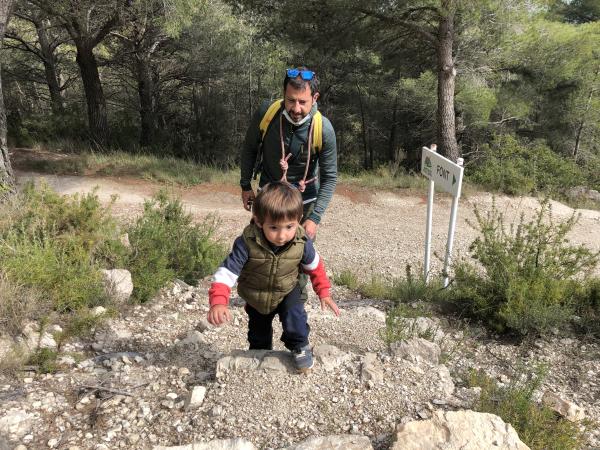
[[303, 358]]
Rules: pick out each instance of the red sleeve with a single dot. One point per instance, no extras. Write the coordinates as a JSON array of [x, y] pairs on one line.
[[218, 294], [319, 280]]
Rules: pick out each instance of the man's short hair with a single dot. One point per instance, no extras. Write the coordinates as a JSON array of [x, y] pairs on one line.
[[300, 84], [278, 201]]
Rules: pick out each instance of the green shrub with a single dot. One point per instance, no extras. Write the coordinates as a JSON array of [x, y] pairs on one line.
[[44, 359], [166, 244], [587, 306], [18, 305], [346, 278], [399, 327], [407, 289], [512, 167], [537, 426], [528, 275], [58, 245]]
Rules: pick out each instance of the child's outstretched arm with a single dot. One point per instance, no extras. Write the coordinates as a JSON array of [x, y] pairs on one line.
[[313, 265], [224, 279]]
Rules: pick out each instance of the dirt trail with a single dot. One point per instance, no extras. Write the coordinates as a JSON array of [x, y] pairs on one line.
[[363, 230]]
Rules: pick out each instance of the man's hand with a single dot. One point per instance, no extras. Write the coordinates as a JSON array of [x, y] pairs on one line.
[[218, 315], [311, 228], [327, 302], [247, 199]]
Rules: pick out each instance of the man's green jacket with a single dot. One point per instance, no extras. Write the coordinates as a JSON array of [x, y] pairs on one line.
[[322, 164]]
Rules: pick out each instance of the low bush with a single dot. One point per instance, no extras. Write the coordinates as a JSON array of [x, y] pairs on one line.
[[402, 290], [538, 426], [167, 244], [58, 245], [527, 276], [19, 305]]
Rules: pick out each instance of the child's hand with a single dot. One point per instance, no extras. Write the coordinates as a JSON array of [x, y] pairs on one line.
[[218, 315], [329, 303]]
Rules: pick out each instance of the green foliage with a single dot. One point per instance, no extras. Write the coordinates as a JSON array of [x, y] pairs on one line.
[[167, 244], [400, 289], [587, 306], [45, 360], [18, 305], [527, 276], [58, 244], [82, 323], [346, 278], [512, 167], [400, 327], [537, 426]]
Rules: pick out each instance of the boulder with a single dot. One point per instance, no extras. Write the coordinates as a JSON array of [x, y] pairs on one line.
[[16, 423], [454, 430], [417, 350], [218, 444], [371, 369], [118, 284], [330, 357], [334, 442], [565, 408]]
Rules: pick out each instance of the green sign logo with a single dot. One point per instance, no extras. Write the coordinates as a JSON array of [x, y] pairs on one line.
[[427, 168]]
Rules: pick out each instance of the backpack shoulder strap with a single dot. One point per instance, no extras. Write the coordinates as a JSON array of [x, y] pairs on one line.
[[318, 132], [268, 117]]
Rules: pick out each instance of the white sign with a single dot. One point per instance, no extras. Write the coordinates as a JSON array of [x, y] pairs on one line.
[[444, 173]]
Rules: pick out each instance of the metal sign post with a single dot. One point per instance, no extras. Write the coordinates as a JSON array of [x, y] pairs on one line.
[[448, 176]]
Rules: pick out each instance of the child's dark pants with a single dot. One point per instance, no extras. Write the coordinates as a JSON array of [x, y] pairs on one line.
[[293, 319]]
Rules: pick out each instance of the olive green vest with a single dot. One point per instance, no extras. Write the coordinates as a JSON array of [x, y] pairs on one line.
[[268, 277]]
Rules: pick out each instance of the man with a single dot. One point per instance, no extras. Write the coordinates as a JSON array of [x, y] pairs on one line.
[[287, 136]]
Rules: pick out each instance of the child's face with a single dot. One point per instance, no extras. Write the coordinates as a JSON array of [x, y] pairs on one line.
[[279, 233]]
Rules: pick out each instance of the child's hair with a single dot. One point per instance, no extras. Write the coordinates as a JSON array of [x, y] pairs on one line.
[[278, 201]]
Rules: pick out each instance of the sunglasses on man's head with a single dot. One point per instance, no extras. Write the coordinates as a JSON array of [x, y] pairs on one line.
[[306, 75]]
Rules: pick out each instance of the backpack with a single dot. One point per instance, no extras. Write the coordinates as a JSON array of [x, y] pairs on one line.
[[317, 138]]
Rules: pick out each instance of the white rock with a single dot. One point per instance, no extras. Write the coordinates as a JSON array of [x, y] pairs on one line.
[[193, 338], [330, 357], [369, 311], [98, 311], [219, 444], [454, 430], [371, 369], [16, 422], [565, 408], [417, 350], [118, 284], [334, 442], [197, 396], [52, 442]]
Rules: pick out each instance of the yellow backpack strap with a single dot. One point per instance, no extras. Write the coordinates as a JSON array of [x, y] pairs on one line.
[[268, 117], [318, 132]]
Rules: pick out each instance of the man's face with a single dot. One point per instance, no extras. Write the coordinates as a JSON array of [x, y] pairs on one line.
[[298, 102]]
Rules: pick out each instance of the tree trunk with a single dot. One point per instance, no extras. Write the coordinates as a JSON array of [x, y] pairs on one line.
[[446, 126], [364, 129], [392, 153], [94, 95], [7, 180], [147, 109], [50, 70]]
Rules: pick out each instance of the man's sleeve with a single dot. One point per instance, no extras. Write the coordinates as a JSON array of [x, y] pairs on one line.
[[227, 274], [313, 265], [327, 172], [250, 149]]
